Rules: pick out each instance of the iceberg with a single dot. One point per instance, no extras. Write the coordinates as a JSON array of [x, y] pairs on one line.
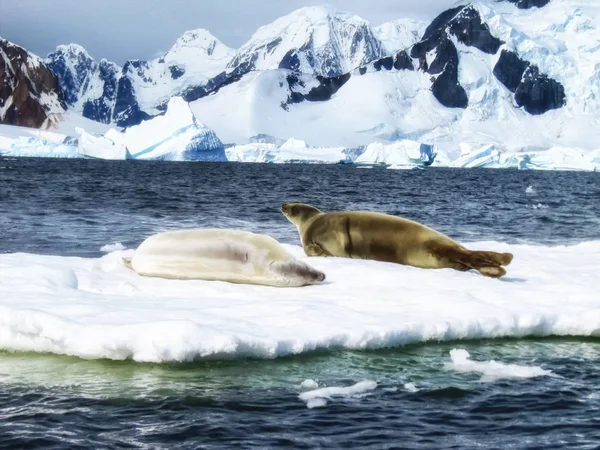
[[174, 136], [109, 146], [291, 151], [98, 308], [34, 147], [486, 156], [399, 154], [555, 158]]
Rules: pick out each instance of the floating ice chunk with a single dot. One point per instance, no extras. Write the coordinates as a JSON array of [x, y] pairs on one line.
[[539, 206], [485, 156], [410, 387], [530, 190], [101, 147], [309, 384], [291, 151], [398, 154], [40, 148], [108, 248], [492, 370], [316, 403], [118, 314], [319, 397]]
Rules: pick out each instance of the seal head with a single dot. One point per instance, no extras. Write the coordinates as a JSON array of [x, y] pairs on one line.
[[299, 213]]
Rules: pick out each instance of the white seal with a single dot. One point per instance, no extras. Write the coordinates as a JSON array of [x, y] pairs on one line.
[[221, 254]]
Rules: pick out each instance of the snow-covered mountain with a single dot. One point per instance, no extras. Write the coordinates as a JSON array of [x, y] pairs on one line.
[[145, 87], [522, 75], [105, 92], [29, 94], [317, 40], [399, 34], [88, 87]]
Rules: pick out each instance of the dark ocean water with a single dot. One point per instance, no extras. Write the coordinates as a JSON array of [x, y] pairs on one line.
[[65, 207]]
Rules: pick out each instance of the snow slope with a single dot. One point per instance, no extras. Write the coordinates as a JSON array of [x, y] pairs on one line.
[[319, 40], [98, 308], [195, 57], [399, 34]]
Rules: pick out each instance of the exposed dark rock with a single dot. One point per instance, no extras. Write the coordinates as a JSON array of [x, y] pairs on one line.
[[324, 91], [290, 60], [448, 91], [387, 63], [362, 70], [402, 61], [176, 71], [509, 69], [535, 92], [74, 69], [101, 109], [127, 111], [23, 80], [538, 93], [526, 4], [445, 88], [470, 30], [440, 21], [212, 86], [463, 22]]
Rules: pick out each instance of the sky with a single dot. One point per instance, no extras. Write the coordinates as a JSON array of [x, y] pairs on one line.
[[119, 30]]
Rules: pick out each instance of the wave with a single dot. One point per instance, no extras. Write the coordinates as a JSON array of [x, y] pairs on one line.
[[98, 308]]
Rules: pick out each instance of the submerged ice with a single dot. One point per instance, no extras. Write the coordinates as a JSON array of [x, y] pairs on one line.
[[492, 370], [98, 308], [318, 397]]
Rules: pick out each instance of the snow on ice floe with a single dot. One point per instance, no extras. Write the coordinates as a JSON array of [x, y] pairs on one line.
[[492, 370], [318, 397], [98, 308]]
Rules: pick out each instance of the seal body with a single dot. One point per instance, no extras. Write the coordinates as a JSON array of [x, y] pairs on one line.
[[381, 237], [221, 254]]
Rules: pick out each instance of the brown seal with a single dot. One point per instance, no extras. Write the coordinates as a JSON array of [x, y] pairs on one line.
[[381, 237]]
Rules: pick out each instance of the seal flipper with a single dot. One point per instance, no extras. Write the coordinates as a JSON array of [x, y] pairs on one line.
[[487, 263], [313, 249]]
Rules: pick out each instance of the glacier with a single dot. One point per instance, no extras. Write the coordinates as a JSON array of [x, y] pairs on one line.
[[291, 151], [174, 136], [98, 308], [178, 136]]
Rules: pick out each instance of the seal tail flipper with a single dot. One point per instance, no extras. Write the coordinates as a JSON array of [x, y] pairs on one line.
[[497, 259], [487, 263], [127, 262]]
